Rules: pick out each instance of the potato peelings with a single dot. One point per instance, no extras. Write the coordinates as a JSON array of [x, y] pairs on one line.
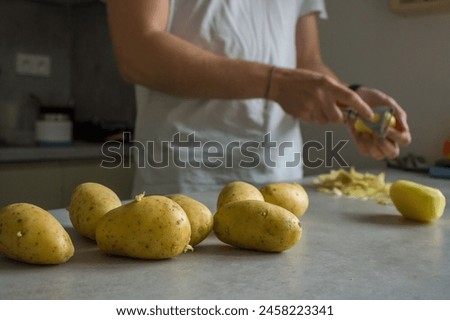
[[353, 184]]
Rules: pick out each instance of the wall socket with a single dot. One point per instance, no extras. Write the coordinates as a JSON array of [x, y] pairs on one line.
[[33, 64]]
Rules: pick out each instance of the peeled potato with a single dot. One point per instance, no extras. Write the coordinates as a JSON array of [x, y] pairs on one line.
[[89, 202], [416, 201], [200, 217], [238, 191], [290, 196], [30, 234]]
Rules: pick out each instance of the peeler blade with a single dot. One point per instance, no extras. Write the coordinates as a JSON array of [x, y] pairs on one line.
[[384, 115]]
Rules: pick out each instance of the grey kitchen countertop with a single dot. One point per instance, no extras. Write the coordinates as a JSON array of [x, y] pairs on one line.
[[350, 249]]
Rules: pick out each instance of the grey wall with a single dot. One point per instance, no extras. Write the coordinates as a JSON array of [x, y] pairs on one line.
[[98, 90], [38, 29], [407, 57]]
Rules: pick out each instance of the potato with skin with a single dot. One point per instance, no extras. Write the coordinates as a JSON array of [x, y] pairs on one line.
[[257, 225], [30, 234], [416, 201], [89, 202], [238, 191], [290, 196], [152, 227], [199, 215]]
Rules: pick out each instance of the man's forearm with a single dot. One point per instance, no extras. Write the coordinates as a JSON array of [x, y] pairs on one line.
[[169, 64]]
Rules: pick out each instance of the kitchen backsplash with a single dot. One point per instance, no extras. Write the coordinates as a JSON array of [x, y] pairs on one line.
[[28, 27], [83, 71]]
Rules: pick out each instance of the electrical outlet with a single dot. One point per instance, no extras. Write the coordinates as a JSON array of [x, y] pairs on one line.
[[33, 64]]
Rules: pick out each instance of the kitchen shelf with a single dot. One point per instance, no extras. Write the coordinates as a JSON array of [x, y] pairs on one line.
[[75, 151], [420, 7]]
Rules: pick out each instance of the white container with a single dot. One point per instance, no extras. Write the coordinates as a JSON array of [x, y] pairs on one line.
[[53, 132]]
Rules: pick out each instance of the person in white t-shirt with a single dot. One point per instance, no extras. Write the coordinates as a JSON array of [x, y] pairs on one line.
[[221, 88]]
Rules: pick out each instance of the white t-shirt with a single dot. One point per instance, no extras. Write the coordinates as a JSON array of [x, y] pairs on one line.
[[190, 145]]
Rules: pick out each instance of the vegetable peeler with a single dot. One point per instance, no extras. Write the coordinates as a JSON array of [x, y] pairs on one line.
[[384, 117]]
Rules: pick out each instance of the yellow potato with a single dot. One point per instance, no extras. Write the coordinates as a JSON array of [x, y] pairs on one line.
[[257, 225], [89, 202], [416, 201], [199, 215], [237, 191], [31, 234], [290, 196], [152, 227], [361, 127]]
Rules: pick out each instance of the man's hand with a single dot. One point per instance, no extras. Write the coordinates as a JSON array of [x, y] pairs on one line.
[[312, 96], [400, 135]]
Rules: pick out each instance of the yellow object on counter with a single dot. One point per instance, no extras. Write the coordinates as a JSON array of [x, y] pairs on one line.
[[353, 184], [257, 225], [290, 196], [152, 227], [238, 191], [89, 202], [199, 216], [31, 234], [417, 201]]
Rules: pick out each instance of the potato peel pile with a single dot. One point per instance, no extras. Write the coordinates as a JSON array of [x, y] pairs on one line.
[[353, 184]]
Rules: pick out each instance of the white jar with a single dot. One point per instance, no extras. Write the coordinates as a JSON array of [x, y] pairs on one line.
[[54, 130]]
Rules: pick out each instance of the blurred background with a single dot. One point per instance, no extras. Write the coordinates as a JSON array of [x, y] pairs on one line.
[[61, 95], [405, 54]]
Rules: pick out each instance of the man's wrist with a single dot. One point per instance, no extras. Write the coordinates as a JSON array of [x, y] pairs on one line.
[[267, 94]]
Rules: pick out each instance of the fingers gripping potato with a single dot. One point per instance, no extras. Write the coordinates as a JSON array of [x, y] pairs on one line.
[[257, 225], [200, 217], [290, 196], [237, 191], [31, 234], [89, 202], [152, 227]]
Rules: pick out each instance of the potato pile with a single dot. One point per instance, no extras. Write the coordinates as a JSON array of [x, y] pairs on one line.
[[161, 227], [263, 220], [149, 227], [155, 226], [266, 219], [152, 227]]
